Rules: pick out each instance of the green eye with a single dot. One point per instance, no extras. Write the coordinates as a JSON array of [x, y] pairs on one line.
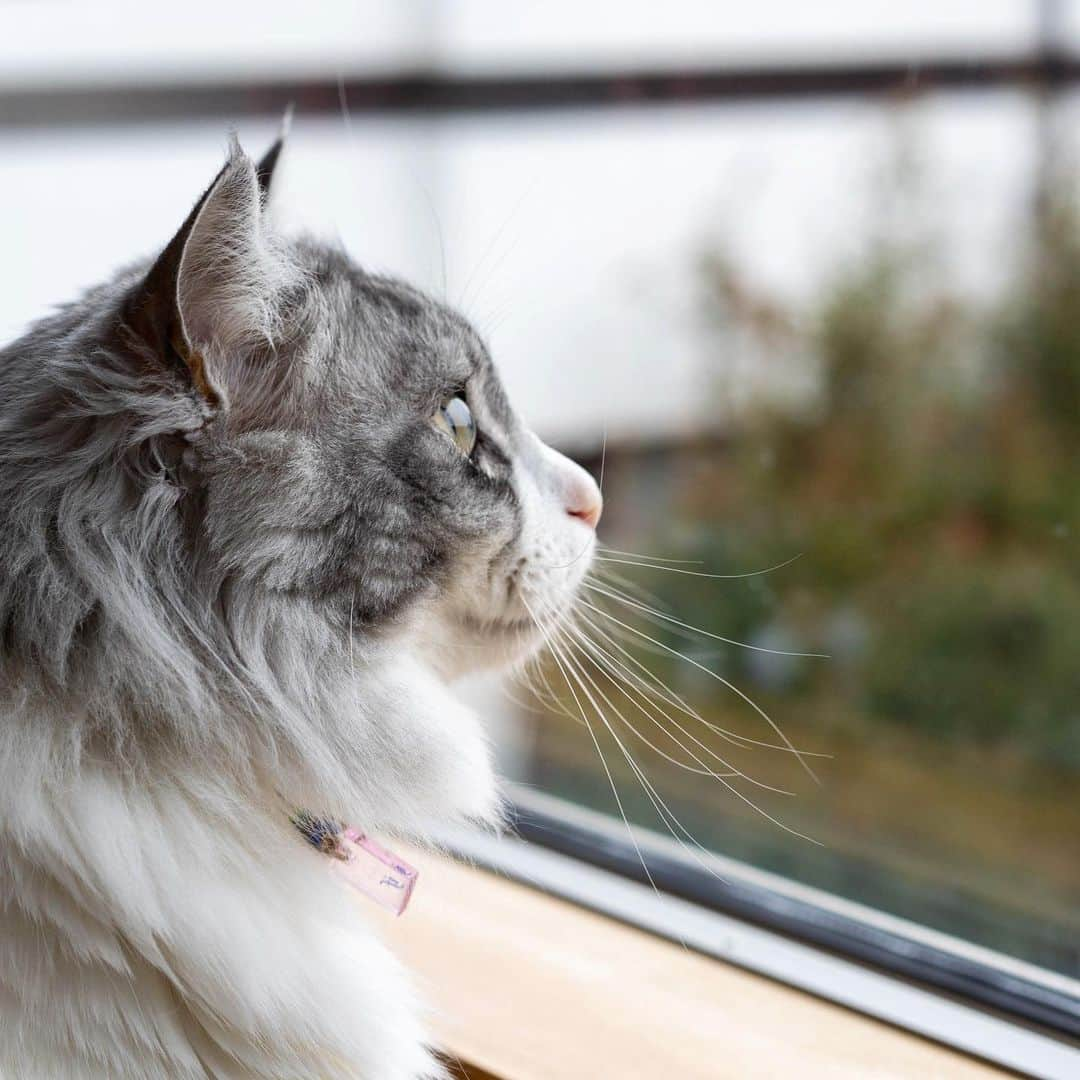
[[454, 418]]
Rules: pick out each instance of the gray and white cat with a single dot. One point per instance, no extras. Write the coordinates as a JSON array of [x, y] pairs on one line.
[[257, 508]]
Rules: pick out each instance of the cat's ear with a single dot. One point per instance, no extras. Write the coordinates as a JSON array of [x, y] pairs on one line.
[[210, 297]]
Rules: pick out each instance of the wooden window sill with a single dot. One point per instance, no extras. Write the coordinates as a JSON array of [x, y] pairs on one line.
[[529, 987]]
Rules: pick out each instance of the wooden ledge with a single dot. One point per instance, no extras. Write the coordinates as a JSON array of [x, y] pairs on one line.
[[529, 987]]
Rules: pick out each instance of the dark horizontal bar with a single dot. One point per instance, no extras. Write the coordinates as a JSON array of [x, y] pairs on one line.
[[422, 92], [836, 932]]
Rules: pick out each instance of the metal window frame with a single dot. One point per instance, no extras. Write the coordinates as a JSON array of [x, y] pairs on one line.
[[432, 93], [973, 999]]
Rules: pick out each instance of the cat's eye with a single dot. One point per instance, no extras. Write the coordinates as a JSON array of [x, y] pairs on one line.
[[456, 419]]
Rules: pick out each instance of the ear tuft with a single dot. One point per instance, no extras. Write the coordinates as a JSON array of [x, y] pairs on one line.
[[268, 163]]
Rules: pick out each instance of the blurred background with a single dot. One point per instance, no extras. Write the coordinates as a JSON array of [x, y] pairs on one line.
[[798, 280]]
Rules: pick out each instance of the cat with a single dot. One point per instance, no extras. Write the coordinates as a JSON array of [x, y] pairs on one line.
[[259, 508]]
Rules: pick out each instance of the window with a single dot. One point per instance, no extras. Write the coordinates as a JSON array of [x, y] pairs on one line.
[[803, 290]]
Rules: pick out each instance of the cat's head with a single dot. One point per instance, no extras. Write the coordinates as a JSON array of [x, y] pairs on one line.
[[258, 502], [355, 448]]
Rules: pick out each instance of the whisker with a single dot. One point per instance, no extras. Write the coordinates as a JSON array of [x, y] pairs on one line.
[[719, 678], [655, 615], [343, 103], [588, 548], [636, 642], [544, 701], [668, 813], [734, 771], [742, 742], [614, 580], [699, 573], [655, 797], [493, 243], [545, 695], [652, 558], [691, 638], [661, 689], [626, 754], [704, 770], [603, 459], [595, 742]]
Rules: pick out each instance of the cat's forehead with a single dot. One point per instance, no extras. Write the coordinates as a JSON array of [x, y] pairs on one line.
[[388, 338], [410, 336]]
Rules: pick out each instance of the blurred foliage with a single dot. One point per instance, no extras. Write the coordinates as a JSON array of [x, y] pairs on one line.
[[931, 483], [918, 445]]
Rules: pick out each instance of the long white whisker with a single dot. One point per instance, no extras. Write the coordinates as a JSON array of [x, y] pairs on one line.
[[654, 615], [614, 580], [699, 573], [603, 460], [637, 643], [548, 694], [651, 558], [588, 546], [493, 244], [604, 660], [712, 674], [661, 689], [704, 769], [655, 797], [543, 700], [596, 744]]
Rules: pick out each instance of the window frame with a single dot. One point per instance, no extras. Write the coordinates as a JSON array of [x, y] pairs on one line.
[[611, 996], [904, 949], [973, 999]]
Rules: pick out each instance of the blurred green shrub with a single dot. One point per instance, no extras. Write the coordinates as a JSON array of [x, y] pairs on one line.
[[931, 478]]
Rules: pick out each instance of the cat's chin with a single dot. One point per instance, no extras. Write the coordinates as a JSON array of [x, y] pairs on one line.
[[471, 644]]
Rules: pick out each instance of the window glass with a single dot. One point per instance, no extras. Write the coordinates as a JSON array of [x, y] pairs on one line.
[[873, 357]]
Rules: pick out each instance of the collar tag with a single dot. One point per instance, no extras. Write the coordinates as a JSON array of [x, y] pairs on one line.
[[372, 870], [359, 861]]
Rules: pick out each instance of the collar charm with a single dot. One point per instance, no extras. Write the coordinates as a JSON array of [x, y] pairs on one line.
[[360, 862]]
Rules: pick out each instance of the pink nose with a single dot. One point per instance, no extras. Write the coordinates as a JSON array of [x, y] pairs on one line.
[[587, 508], [571, 485]]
